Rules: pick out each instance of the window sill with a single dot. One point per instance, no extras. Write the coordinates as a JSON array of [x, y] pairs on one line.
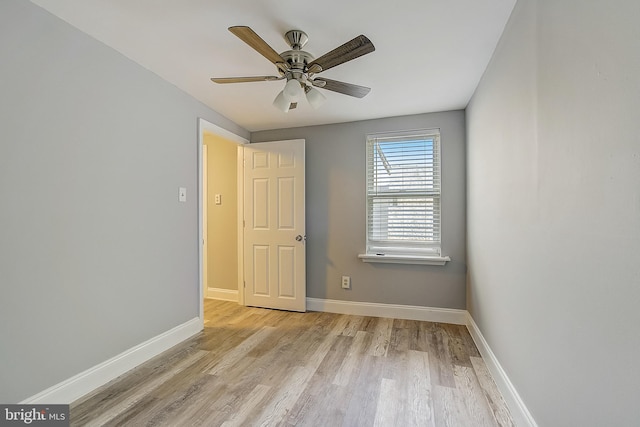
[[405, 259]]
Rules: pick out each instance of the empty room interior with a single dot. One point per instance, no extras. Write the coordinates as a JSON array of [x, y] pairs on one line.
[[341, 213]]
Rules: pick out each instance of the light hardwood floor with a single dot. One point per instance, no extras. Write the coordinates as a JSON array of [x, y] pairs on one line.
[[253, 367]]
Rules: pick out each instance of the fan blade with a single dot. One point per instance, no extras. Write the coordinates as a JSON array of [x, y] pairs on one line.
[[248, 36], [350, 50], [245, 79], [342, 87]]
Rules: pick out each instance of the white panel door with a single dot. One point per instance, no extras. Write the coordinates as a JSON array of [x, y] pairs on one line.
[[274, 228]]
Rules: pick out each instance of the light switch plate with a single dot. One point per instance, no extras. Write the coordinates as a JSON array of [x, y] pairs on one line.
[[182, 194], [218, 199]]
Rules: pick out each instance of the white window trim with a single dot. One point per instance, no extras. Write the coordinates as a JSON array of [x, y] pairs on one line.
[[407, 258]]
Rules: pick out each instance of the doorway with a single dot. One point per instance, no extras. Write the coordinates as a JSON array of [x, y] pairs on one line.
[[220, 263], [270, 184]]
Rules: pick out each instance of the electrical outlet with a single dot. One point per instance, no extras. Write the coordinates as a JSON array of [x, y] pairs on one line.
[[346, 282]]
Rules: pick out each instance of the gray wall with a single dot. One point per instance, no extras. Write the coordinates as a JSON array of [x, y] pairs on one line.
[[554, 209], [96, 253], [336, 212]]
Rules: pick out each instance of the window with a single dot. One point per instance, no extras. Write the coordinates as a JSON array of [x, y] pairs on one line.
[[403, 196]]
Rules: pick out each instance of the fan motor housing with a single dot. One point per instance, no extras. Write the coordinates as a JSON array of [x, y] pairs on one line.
[[297, 59]]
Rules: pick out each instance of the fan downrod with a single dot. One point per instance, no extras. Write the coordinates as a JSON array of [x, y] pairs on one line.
[[296, 58]]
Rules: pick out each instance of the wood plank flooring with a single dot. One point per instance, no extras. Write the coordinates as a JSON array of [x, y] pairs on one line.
[[258, 367]]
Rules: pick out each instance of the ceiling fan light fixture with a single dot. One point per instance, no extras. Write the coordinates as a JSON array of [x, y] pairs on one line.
[[281, 102], [315, 97], [299, 67]]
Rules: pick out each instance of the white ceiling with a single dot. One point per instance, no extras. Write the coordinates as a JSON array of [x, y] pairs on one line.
[[430, 54]]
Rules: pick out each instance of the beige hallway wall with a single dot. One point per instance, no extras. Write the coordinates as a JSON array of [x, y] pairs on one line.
[[222, 218]]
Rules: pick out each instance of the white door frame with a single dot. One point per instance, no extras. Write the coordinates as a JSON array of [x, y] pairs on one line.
[[205, 223], [204, 125]]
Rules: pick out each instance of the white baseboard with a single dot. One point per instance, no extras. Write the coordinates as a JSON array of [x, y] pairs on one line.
[[222, 294], [519, 412], [85, 382], [408, 312]]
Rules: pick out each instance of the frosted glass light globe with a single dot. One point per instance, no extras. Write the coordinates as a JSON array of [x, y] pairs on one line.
[[292, 90]]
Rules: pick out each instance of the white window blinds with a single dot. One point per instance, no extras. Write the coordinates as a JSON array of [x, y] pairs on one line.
[[403, 193]]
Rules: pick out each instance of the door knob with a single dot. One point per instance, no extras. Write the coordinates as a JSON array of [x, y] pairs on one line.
[[300, 238]]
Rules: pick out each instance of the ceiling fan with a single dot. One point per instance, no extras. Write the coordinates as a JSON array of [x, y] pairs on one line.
[[299, 67]]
